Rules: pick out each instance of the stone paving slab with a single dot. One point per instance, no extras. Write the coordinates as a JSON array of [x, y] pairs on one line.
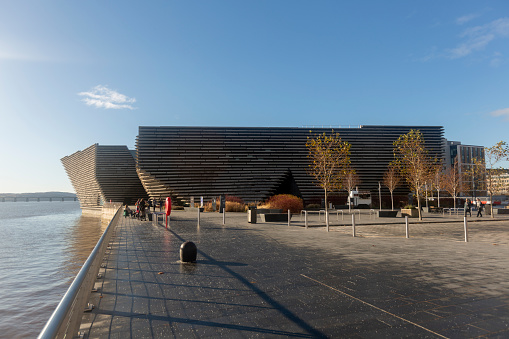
[[271, 280]]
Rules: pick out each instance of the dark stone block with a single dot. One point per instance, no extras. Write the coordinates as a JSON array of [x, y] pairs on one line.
[[387, 214], [275, 217], [188, 252], [267, 211]]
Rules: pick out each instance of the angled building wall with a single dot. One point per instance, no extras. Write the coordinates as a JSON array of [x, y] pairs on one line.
[[103, 173], [255, 163]]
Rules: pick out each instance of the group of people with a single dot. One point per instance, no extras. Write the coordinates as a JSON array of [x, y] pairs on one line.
[[141, 207], [468, 207]]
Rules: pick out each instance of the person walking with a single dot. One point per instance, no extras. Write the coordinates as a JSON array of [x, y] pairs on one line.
[[480, 207], [468, 208]]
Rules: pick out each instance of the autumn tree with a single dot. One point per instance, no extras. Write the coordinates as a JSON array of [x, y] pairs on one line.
[[452, 181], [392, 180], [330, 158], [414, 162]]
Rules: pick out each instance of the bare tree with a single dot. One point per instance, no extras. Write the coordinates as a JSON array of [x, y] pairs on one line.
[[474, 177], [414, 162], [451, 180], [350, 181], [437, 180], [330, 157], [392, 180], [493, 155]]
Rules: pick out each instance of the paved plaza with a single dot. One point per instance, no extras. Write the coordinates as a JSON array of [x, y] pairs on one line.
[[269, 280]]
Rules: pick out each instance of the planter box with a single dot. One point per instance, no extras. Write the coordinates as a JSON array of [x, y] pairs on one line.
[[412, 213], [274, 217], [387, 214], [267, 211]]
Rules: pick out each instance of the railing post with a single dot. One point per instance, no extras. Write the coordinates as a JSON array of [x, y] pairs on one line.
[[353, 224], [465, 222], [306, 219], [406, 226]]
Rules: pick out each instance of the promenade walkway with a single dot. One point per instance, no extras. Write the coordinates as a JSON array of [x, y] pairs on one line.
[[271, 280]]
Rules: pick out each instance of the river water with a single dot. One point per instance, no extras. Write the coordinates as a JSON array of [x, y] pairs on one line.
[[42, 247]]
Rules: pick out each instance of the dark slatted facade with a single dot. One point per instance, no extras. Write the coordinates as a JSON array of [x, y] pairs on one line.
[[103, 173], [255, 163]]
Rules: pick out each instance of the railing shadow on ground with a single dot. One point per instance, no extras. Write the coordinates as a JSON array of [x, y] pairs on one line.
[[314, 333]]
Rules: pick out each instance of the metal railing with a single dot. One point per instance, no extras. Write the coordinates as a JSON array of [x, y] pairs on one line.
[[66, 319]]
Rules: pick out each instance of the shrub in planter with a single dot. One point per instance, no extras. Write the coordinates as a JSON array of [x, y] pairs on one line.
[[233, 198], [286, 202], [232, 206]]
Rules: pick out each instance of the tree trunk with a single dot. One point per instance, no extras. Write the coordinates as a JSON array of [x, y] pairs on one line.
[[419, 205], [326, 205], [492, 209]]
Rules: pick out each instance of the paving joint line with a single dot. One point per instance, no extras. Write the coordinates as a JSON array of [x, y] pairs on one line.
[[373, 306]]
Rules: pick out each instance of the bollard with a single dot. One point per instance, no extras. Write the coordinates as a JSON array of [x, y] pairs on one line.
[[188, 252], [327, 220], [466, 230], [198, 216], [289, 218], [353, 224], [406, 227], [224, 217], [306, 219]]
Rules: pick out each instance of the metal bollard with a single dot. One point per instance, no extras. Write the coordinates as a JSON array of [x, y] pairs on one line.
[[466, 230], [198, 216], [224, 218], [353, 224], [327, 220], [289, 218], [306, 219], [406, 227]]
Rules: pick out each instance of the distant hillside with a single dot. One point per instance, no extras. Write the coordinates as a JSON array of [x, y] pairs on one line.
[[38, 195]]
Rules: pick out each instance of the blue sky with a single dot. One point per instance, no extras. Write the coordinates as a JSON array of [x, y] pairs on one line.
[[75, 73]]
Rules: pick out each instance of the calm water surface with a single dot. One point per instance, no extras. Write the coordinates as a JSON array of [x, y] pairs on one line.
[[42, 247]]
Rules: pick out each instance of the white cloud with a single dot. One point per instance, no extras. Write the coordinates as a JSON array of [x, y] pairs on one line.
[[478, 37], [102, 97], [466, 18], [501, 112]]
